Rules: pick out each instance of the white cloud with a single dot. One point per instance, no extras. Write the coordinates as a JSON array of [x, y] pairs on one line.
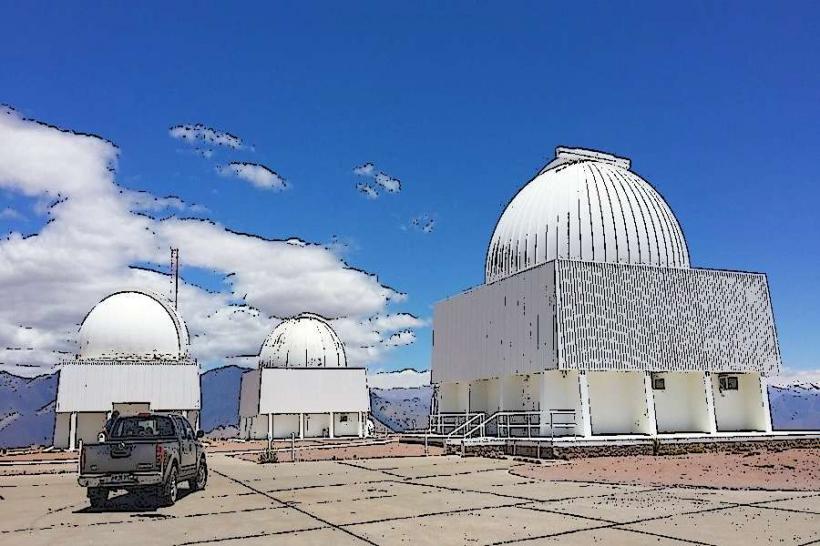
[[198, 133], [367, 190], [95, 234], [147, 202], [368, 169], [405, 337], [392, 185], [382, 180], [407, 379], [396, 322], [258, 175]]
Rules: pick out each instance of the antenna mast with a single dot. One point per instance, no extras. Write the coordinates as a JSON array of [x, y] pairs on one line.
[[175, 276]]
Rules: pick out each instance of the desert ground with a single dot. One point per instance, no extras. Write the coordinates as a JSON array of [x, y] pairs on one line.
[[404, 497]]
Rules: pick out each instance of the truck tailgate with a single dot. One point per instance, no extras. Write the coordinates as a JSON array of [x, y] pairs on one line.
[[118, 457]]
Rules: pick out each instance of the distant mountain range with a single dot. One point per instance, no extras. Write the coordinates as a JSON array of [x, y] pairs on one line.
[[27, 409], [27, 404]]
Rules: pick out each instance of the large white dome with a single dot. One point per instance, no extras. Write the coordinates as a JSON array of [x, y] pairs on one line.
[[304, 341], [133, 325], [585, 205]]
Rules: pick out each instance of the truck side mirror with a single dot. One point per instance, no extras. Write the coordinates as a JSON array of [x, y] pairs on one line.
[[200, 433]]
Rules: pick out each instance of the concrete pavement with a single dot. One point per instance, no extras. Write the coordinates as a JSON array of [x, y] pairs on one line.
[[414, 500]]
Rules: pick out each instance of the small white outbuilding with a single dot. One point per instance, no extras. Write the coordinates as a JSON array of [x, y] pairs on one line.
[[303, 387], [133, 357]]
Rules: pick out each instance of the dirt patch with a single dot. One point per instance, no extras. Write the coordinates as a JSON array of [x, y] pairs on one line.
[[792, 469], [342, 452]]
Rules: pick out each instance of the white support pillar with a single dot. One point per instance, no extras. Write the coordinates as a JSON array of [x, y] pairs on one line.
[[764, 398], [361, 425], [72, 431], [583, 392], [543, 404], [301, 426], [710, 403], [270, 429], [649, 400], [185, 414], [330, 430]]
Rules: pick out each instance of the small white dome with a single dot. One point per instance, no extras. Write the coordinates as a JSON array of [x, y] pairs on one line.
[[585, 205], [133, 325], [304, 341]]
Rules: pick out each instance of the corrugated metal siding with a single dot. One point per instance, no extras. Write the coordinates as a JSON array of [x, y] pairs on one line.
[[495, 330], [623, 317], [96, 386]]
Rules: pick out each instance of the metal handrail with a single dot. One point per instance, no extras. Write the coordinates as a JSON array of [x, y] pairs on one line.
[[503, 418], [475, 416], [439, 421]]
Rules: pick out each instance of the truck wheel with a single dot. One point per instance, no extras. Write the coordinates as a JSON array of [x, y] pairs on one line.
[[97, 496], [168, 490], [198, 483]]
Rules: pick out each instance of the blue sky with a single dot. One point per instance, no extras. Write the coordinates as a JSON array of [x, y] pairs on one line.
[[715, 103]]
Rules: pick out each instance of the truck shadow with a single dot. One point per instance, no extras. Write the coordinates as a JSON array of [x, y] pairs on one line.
[[133, 502]]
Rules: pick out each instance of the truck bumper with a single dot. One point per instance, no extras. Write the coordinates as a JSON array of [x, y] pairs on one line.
[[120, 480]]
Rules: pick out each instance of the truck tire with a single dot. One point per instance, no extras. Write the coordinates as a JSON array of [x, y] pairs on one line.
[[198, 482], [168, 491], [97, 496]]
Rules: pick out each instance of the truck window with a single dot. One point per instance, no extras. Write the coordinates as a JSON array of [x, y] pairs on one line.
[[142, 427], [189, 431]]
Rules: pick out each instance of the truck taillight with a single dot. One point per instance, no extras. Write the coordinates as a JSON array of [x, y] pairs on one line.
[[160, 453]]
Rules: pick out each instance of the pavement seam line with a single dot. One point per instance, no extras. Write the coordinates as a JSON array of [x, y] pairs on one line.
[[300, 510]]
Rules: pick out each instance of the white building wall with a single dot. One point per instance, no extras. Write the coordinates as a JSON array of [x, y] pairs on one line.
[[682, 405], [617, 403], [285, 425], [560, 390], [349, 427], [511, 389], [61, 425], [313, 390], [497, 330], [249, 393], [89, 426], [317, 425], [480, 393], [95, 387], [743, 409], [453, 397]]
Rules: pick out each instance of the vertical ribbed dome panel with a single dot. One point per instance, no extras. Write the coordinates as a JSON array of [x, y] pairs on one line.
[[586, 206], [304, 341]]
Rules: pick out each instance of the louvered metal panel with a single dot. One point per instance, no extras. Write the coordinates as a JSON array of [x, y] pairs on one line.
[[625, 317]]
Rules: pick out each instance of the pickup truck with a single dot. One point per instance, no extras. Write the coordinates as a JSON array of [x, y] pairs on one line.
[[148, 455]]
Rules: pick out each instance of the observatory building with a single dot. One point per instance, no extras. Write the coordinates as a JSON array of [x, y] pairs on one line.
[[133, 357], [591, 321], [303, 386]]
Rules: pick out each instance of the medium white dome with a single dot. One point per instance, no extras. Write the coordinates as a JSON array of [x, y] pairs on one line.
[[585, 205], [133, 325], [304, 341]]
